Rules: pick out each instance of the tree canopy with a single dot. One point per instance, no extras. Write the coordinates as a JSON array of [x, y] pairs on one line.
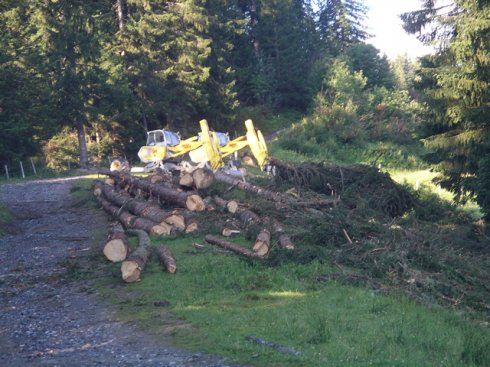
[[456, 85]]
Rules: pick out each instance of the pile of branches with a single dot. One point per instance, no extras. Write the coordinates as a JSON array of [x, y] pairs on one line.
[[351, 183]]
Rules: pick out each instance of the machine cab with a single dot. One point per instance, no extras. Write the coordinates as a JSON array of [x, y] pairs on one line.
[[162, 138]]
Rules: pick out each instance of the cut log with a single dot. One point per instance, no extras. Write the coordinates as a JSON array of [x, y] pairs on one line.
[[156, 179], [186, 180], [97, 188], [166, 258], [283, 239], [278, 197], [192, 225], [187, 200], [209, 203], [222, 177], [230, 227], [109, 181], [228, 232], [139, 207], [231, 205], [176, 220], [248, 216], [202, 178], [230, 246], [262, 243], [132, 268], [131, 221], [116, 248]]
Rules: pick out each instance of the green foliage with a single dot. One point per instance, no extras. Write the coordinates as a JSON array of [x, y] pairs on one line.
[[455, 83], [5, 218], [340, 24], [366, 58]]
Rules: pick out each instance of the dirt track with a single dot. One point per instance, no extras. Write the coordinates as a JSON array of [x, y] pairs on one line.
[[47, 316]]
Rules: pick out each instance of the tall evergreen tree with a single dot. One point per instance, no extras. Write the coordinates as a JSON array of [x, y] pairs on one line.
[[25, 116], [284, 51], [340, 24], [460, 95]]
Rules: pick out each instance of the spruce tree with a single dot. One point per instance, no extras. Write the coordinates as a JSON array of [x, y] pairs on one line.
[[459, 76]]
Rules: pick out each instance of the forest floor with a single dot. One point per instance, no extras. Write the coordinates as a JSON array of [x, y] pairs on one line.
[[49, 315]]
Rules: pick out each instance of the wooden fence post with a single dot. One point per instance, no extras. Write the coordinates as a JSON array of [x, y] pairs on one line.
[[22, 170], [33, 167], [7, 172]]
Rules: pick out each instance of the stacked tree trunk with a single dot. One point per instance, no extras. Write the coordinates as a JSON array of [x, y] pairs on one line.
[[189, 200], [116, 248], [132, 268]]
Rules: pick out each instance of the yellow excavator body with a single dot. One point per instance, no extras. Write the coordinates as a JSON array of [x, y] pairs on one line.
[[209, 146]]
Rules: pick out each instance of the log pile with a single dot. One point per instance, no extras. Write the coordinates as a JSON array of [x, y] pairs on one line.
[[156, 206]]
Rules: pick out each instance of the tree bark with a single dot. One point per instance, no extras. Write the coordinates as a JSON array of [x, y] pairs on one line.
[[166, 258], [82, 145], [262, 243], [142, 208], [274, 196], [283, 239], [192, 225], [120, 14], [116, 248], [132, 268], [131, 221], [187, 200], [231, 205], [248, 216], [230, 246]]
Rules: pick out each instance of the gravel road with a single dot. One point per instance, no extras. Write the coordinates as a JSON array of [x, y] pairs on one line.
[[48, 318]]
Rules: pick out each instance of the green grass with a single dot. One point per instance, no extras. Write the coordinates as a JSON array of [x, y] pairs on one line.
[[424, 179], [215, 300], [5, 218]]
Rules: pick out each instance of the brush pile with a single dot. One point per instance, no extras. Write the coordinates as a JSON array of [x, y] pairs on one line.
[[353, 183]]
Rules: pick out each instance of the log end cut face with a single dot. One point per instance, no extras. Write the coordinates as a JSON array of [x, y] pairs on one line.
[[130, 271], [116, 250], [195, 203]]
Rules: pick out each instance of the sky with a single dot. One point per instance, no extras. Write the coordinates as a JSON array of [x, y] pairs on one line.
[[384, 23]]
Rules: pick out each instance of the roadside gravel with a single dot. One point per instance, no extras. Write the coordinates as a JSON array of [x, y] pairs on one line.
[[48, 318]]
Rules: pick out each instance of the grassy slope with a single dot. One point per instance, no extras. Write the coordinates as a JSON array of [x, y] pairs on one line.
[[215, 300]]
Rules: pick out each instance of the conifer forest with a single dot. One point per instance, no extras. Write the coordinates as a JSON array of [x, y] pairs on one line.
[[84, 80]]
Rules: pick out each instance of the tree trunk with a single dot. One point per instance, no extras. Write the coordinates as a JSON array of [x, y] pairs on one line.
[[192, 225], [222, 177], [82, 145], [116, 248], [131, 221], [230, 246], [262, 243], [248, 216], [187, 200], [187, 181], [166, 258], [203, 178], [231, 205], [120, 14], [141, 208], [284, 240], [134, 265]]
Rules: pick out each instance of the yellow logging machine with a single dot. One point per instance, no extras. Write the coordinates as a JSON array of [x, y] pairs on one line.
[[209, 147]]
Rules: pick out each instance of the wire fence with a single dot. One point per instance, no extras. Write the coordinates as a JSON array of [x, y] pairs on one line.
[[30, 167]]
